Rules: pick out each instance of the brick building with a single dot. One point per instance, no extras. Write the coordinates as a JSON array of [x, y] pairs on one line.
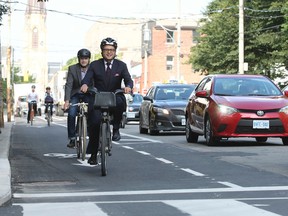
[[160, 41]]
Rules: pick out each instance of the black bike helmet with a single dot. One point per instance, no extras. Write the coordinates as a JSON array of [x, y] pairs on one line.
[[82, 53], [48, 88], [33, 86], [108, 41]]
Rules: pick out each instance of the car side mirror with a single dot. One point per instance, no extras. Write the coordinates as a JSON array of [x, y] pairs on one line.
[[148, 98], [203, 94]]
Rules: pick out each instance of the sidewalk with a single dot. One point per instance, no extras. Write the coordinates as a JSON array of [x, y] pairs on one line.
[[5, 171]]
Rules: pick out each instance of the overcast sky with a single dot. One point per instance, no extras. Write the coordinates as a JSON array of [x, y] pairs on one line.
[[65, 33]]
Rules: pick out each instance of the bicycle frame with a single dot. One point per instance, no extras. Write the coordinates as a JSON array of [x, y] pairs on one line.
[[81, 130], [106, 101], [32, 111]]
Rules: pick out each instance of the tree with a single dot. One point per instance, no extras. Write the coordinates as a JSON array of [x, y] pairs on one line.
[[3, 10], [265, 37]]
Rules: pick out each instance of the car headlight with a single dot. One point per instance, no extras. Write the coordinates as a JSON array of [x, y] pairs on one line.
[[284, 110], [160, 110], [227, 110]]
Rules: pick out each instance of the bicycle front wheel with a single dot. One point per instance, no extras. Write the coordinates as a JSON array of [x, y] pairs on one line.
[[104, 139], [48, 117], [83, 137], [31, 116]]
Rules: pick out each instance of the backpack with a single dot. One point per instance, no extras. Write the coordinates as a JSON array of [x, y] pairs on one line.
[[48, 99]]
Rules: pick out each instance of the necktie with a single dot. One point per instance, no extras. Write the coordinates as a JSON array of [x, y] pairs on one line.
[[108, 72]]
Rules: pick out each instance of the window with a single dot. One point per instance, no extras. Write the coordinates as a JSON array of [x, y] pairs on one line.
[[195, 36], [35, 38], [169, 36], [169, 62]]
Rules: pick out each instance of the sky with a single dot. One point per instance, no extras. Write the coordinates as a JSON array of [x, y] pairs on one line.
[[66, 31]]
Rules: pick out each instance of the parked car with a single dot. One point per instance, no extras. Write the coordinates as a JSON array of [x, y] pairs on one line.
[[21, 106], [132, 111], [163, 108], [225, 106]]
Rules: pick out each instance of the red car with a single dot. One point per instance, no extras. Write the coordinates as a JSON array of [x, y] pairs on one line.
[[224, 106]]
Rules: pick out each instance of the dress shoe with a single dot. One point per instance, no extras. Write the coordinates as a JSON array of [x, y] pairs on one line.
[[93, 159], [71, 144], [116, 135]]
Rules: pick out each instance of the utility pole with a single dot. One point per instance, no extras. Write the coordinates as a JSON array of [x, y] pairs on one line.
[[241, 37], [178, 39], [8, 96], [1, 91]]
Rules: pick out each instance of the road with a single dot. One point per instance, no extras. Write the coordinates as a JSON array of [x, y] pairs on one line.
[[147, 175]]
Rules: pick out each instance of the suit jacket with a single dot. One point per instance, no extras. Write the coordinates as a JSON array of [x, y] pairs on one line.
[[73, 81], [97, 73]]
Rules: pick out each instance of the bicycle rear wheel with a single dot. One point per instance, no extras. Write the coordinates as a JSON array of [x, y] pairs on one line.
[[104, 139], [83, 137]]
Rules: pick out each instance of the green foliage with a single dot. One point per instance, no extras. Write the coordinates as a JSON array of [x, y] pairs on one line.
[[4, 9], [265, 30]]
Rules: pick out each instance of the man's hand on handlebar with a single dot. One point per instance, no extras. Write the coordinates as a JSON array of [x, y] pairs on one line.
[[127, 90], [84, 88]]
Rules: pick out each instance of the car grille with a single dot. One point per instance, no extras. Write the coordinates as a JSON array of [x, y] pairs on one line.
[[178, 112], [246, 126]]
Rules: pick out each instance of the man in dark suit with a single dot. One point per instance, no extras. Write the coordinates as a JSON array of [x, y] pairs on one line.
[[75, 74], [107, 74]]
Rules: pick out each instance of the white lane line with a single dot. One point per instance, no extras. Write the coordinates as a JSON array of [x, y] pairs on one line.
[[71, 209], [228, 184], [225, 207], [152, 192], [142, 138], [164, 160], [193, 172], [143, 152], [127, 147]]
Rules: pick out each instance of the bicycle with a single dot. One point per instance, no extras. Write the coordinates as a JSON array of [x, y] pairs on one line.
[[32, 111], [48, 114], [81, 129], [104, 101]]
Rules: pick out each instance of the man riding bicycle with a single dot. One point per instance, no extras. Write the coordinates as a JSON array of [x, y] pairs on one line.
[[32, 100], [75, 74], [107, 74], [48, 100]]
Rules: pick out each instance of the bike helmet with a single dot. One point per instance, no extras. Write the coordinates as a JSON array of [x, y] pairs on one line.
[[108, 41], [82, 53], [33, 86], [48, 88]]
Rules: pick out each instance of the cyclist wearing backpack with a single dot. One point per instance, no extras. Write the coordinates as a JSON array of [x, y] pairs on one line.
[[48, 100]]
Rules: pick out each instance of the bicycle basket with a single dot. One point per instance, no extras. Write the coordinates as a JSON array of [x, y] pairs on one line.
[[105, 99]]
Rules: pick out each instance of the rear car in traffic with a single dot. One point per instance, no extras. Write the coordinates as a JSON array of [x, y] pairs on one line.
[[163, 108]]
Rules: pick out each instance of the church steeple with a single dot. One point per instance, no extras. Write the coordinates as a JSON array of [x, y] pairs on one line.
[[35, 48], [35, 6]]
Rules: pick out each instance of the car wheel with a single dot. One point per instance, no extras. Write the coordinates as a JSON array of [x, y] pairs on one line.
[[191, 137], [142, 130], [261, 139], [285, 140], [211, 140], [152, 131]]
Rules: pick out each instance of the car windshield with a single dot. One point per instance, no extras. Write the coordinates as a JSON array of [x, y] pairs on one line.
[[245, 86], [174, 93], [137, 98]]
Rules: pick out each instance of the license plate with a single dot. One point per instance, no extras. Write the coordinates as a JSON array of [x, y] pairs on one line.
[[130, 115], [183, 121], [260, 124]]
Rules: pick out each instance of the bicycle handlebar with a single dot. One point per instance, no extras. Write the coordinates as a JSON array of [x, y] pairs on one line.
[[93, 90]]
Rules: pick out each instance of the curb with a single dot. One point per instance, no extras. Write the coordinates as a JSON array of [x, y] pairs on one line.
[[5, 170]]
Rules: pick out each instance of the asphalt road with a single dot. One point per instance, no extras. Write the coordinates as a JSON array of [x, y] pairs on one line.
[[147, 175]]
